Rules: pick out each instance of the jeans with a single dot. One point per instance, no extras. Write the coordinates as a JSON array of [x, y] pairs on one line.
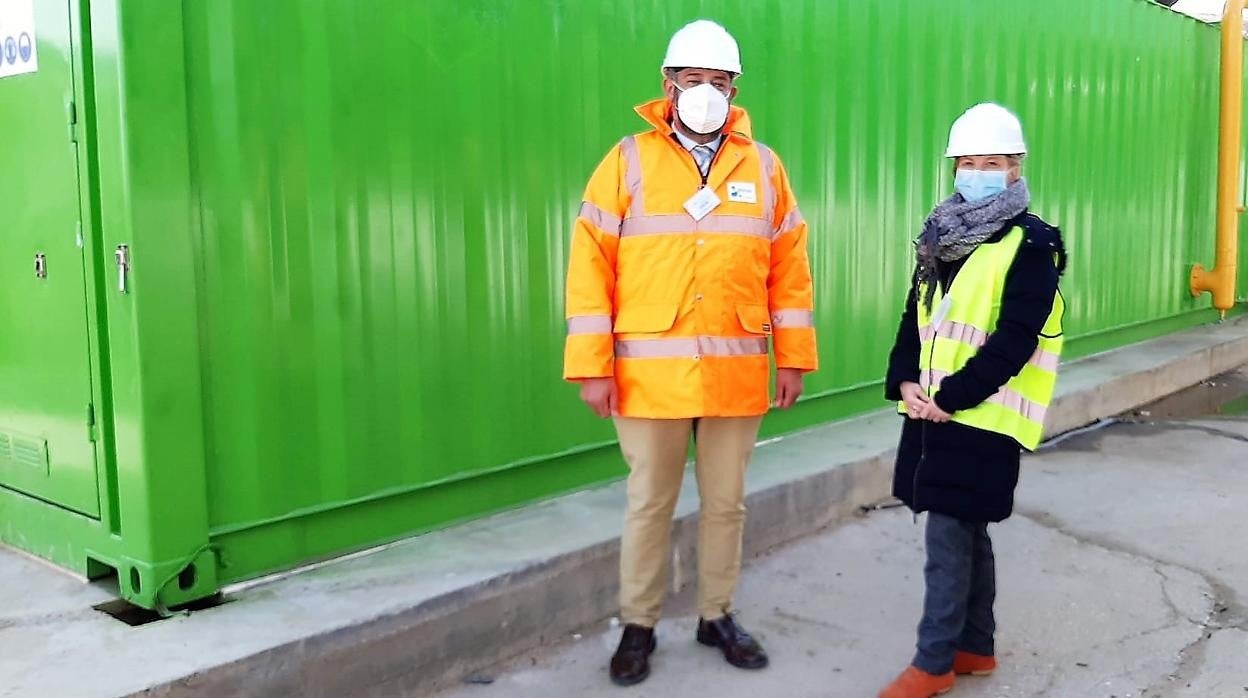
[[961, 587]]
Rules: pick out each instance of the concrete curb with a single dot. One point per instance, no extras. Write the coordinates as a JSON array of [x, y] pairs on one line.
[[797, 486]]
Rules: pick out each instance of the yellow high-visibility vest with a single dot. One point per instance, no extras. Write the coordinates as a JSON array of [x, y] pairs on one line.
[[959, 323]]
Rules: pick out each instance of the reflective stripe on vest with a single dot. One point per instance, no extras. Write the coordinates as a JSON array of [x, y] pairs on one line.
[[975, 338], [1019, 408], [1011, 400]]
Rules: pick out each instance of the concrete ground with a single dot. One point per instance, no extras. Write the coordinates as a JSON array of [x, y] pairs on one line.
[[1124, 551], [1123, 574]]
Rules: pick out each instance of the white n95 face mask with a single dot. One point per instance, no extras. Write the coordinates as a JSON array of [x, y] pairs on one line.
[[702, 108]]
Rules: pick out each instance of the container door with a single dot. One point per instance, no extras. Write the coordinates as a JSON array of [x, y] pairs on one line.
[[46, 417]]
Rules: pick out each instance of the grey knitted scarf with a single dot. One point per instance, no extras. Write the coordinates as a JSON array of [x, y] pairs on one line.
[[956, 227]]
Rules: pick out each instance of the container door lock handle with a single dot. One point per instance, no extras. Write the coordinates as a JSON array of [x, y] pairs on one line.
[[123, 267]]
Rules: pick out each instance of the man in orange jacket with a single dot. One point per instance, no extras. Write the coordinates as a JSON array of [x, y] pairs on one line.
[[688, 254]]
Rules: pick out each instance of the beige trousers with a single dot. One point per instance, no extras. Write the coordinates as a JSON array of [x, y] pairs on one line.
[[656, 451]]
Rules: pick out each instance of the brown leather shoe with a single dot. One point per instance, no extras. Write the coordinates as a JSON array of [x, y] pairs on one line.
[[741, 650], [631, 663]]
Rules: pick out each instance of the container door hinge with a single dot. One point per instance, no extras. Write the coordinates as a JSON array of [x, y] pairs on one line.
[[91, 422], [71, 114]]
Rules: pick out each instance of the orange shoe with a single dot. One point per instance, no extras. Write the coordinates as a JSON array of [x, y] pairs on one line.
[[973, 664], [916, 683]]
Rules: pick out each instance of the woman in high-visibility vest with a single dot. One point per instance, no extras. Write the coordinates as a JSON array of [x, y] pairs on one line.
[[973, 370]]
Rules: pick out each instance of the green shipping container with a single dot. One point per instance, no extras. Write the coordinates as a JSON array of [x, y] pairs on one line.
[[283, 279]]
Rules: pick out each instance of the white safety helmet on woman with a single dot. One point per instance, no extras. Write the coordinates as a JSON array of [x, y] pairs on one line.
[[986, 129]]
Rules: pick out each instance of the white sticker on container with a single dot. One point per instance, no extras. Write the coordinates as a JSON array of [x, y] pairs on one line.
[[19, 45]]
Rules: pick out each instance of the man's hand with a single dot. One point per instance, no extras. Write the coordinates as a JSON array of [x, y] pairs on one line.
[[788, 387], [933, 413], [915, 398], [601, 396]]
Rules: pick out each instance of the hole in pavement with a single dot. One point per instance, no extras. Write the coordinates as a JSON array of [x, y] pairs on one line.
[[134, 616]]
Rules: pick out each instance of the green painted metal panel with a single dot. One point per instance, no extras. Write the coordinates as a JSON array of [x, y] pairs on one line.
[[45, 376], [143, 199], [349, 225], [152, 530], [384, 229]]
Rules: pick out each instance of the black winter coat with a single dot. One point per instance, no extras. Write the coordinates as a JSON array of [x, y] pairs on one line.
[[951, 468]]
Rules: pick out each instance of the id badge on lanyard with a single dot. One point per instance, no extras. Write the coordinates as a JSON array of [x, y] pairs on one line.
[[701, 204]]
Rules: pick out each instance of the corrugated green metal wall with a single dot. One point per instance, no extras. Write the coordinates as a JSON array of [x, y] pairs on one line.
[[385, 191], [349, 225]]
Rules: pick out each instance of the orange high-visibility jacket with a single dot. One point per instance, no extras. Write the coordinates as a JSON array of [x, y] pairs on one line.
[[680, 311]]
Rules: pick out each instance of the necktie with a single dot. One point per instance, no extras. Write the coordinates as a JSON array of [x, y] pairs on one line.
[[703, 155]]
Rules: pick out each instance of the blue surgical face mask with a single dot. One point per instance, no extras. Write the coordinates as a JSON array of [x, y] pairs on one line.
[[976, 185]]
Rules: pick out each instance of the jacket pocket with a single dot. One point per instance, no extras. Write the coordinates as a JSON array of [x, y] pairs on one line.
[[637, 318], [755, 319]]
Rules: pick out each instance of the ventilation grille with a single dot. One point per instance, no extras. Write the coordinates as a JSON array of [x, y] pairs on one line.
[[23, 451]]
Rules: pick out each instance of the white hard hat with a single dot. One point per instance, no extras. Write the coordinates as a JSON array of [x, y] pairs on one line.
[[986, 129], [703, 44]]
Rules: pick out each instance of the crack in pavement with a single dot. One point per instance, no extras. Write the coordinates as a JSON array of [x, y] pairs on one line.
[[805, 620], [45, 619], [1192, 659], [1048, 685], [1175, 613], [1140, 634], [1203, 428], [1223, 601]]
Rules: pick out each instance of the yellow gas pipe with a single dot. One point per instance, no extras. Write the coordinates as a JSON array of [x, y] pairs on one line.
[[1220, 280]]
